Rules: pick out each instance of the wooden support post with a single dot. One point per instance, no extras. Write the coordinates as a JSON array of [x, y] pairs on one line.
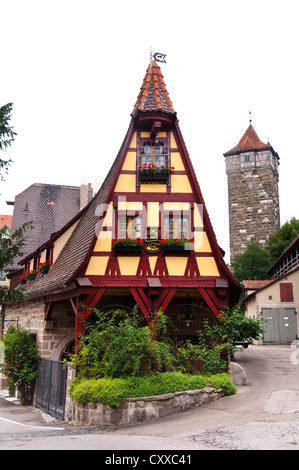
[[209, 302]]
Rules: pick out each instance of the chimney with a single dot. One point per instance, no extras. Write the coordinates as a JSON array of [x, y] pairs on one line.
[[83, 195], [86, 194]]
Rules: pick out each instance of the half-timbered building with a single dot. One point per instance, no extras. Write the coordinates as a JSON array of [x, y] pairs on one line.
[[145, 238]]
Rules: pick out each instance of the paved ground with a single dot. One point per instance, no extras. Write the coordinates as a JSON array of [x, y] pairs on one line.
[[263, 415]]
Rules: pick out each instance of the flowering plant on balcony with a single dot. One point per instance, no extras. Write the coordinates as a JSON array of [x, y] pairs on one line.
[[127, 242], [44, 267], [152, 169]]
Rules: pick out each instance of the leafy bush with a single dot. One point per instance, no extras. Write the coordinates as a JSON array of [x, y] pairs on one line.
[[122, 344], [21, 362], [114, 391]]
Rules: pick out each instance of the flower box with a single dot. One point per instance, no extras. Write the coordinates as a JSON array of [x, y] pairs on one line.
[[124, 250], [176, 249], [158, 178], [128, 246]]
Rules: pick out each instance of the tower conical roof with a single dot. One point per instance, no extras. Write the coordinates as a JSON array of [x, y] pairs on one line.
[[153, 95], [249, 141]]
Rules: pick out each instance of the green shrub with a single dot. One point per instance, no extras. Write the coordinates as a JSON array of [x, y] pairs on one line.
[[114, 391], [122, 344], [223, 381], [21, 362]]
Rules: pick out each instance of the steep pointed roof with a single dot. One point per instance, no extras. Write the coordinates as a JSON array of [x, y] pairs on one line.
[[249, 141], [153, 95]]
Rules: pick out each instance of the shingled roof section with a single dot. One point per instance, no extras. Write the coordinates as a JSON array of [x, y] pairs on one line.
[[249, 141], [153, 95]]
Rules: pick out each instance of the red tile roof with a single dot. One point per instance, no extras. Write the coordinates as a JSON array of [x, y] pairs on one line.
[[153, 95], [249, 141], [255, 284], [5, 220]]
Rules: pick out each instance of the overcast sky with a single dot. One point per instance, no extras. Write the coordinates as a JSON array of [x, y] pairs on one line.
[[73, 70]]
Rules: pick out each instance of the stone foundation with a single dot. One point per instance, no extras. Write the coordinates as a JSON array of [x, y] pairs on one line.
[[136, 410]]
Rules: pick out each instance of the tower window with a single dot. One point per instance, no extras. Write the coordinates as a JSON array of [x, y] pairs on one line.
[[247, 158], [249, 184]]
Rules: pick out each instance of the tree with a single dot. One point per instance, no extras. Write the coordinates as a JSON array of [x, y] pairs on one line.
[[254, 263], [279, 241], [10, 246], [7, 135]]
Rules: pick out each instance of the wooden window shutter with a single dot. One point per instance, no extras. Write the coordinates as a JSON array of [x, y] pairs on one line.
[[286, 292]]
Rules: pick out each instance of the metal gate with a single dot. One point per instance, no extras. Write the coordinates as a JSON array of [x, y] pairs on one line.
[[281, 325], [51, 387]]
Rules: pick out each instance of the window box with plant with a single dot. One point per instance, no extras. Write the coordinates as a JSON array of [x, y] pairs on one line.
[[176, 245], [43, 268], [128, 245], [28, 276], [151, 173]]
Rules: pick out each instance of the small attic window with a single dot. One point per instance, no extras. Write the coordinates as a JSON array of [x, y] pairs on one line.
[[153, 162]]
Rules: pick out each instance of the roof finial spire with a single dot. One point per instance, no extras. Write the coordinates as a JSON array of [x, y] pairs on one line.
[[250, 120]]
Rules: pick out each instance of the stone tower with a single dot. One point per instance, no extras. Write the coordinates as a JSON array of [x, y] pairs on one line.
[[252, 174]]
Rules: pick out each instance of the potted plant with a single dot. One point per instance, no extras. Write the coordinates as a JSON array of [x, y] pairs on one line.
[[43, 268], [128, 245]]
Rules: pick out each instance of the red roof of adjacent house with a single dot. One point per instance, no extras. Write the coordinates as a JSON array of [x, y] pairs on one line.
[[254, 285], [249, 141], [5, 220], [153, 95]]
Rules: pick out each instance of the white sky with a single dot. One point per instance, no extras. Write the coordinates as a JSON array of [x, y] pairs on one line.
[[73, 69]]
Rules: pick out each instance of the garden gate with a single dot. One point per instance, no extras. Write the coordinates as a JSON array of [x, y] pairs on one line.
[[51, 387]]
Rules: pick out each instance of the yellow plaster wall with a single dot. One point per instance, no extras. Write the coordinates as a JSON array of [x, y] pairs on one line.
[[126, 184], [180, 184], [103, 242], [130, 161], [201, 243], [134, 140], [176, 206], [97, 266], [128, 265], [152, 262], [153, 214], [61, 241], [173, 144], [176, 265], [207, 266], [177, 161], [129, 205], [198, 222], [153, 188], [108, 219]]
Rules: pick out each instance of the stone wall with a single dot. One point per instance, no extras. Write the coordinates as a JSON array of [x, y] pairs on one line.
[[52, 335], [136, 410], [253, 207]]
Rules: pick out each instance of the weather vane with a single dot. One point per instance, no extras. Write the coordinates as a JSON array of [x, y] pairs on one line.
[[157, 56]]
